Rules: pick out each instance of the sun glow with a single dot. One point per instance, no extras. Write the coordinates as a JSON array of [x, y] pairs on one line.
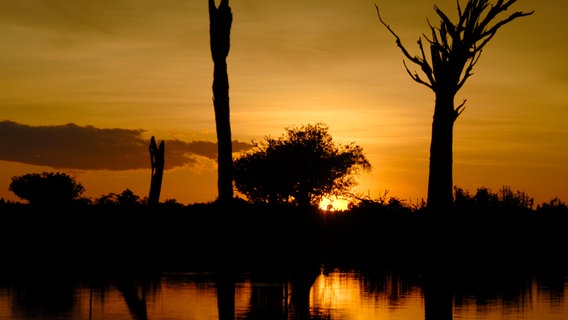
[[333, 204]]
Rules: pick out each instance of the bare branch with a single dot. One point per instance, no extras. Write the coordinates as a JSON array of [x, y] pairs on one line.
[[452, 30], [491, 32], [456, 48], [422, 62], [416, 77], [426, 68], [468, 73], [398, 41], [459, 109]]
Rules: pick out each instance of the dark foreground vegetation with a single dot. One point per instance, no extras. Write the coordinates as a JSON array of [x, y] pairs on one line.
[[484, 230]]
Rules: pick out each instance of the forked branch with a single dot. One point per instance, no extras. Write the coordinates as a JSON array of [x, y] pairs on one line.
[[456, 48], [421, 61]]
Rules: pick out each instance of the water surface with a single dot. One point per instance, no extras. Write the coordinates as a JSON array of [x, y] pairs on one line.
[[312, 292]]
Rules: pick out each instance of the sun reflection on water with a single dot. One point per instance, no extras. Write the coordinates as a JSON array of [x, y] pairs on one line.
[[341, 294]]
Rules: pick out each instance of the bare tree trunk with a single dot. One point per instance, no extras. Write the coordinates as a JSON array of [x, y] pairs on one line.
[[440, 184], [157, 160], [220, 29], [455, 48]]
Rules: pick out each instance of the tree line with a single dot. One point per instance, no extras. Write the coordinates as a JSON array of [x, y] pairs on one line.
[[62, 191]]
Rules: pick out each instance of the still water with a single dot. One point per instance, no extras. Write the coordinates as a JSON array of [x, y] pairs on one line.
[[312, 293]]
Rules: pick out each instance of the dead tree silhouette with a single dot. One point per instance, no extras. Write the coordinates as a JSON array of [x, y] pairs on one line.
[[157, 161], [136, 303], [220, 21], [455, 48]]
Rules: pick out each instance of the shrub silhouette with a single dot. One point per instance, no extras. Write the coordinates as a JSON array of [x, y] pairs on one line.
[[299, 168], [47, 188], [126, 199]]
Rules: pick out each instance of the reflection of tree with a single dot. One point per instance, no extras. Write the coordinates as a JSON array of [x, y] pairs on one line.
[[268, 297], [136, 303], [484, 286], [301, 282], [553, 284], [392, 283], [438, 299], [396, 284], [37, 297], [225, 284], [282, 295], [286, 295]]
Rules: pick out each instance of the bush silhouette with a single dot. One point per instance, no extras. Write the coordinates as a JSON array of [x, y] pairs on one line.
[[47, 188], [299, 168]]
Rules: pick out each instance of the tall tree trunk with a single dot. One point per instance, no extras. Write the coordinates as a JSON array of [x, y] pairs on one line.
[[455, 48], [157, 161], [440, 184], [220, 29]]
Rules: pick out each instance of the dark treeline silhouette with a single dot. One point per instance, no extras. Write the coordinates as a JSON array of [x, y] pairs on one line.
[[120, 231]]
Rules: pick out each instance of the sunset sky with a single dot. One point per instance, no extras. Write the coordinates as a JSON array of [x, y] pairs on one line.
[[85, 84]]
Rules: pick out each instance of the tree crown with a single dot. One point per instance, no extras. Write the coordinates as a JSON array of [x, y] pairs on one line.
[[46, 188], [455, 47], [300, 167]]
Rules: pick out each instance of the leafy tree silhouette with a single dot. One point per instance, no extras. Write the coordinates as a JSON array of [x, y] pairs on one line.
[[220, 21], [126, 199], [300, 167], [47, 188], [455, 48]]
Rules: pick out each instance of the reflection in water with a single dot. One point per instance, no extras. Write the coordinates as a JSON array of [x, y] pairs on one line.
[[438, 300], [309, 292], [33, 297], [136, 303], [225, 285]]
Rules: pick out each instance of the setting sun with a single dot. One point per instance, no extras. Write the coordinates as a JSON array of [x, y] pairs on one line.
[[334, 205]]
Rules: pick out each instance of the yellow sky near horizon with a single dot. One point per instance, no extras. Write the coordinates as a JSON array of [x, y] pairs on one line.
[[146, 65]]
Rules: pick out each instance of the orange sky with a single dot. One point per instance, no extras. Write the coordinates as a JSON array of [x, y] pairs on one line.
[[85, 84]]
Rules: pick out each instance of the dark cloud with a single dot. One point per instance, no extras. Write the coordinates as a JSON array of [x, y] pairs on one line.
[[74, 147]]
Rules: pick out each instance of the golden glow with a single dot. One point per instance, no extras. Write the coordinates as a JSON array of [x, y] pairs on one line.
[[343, 294], [333, 295], [334, 205]]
